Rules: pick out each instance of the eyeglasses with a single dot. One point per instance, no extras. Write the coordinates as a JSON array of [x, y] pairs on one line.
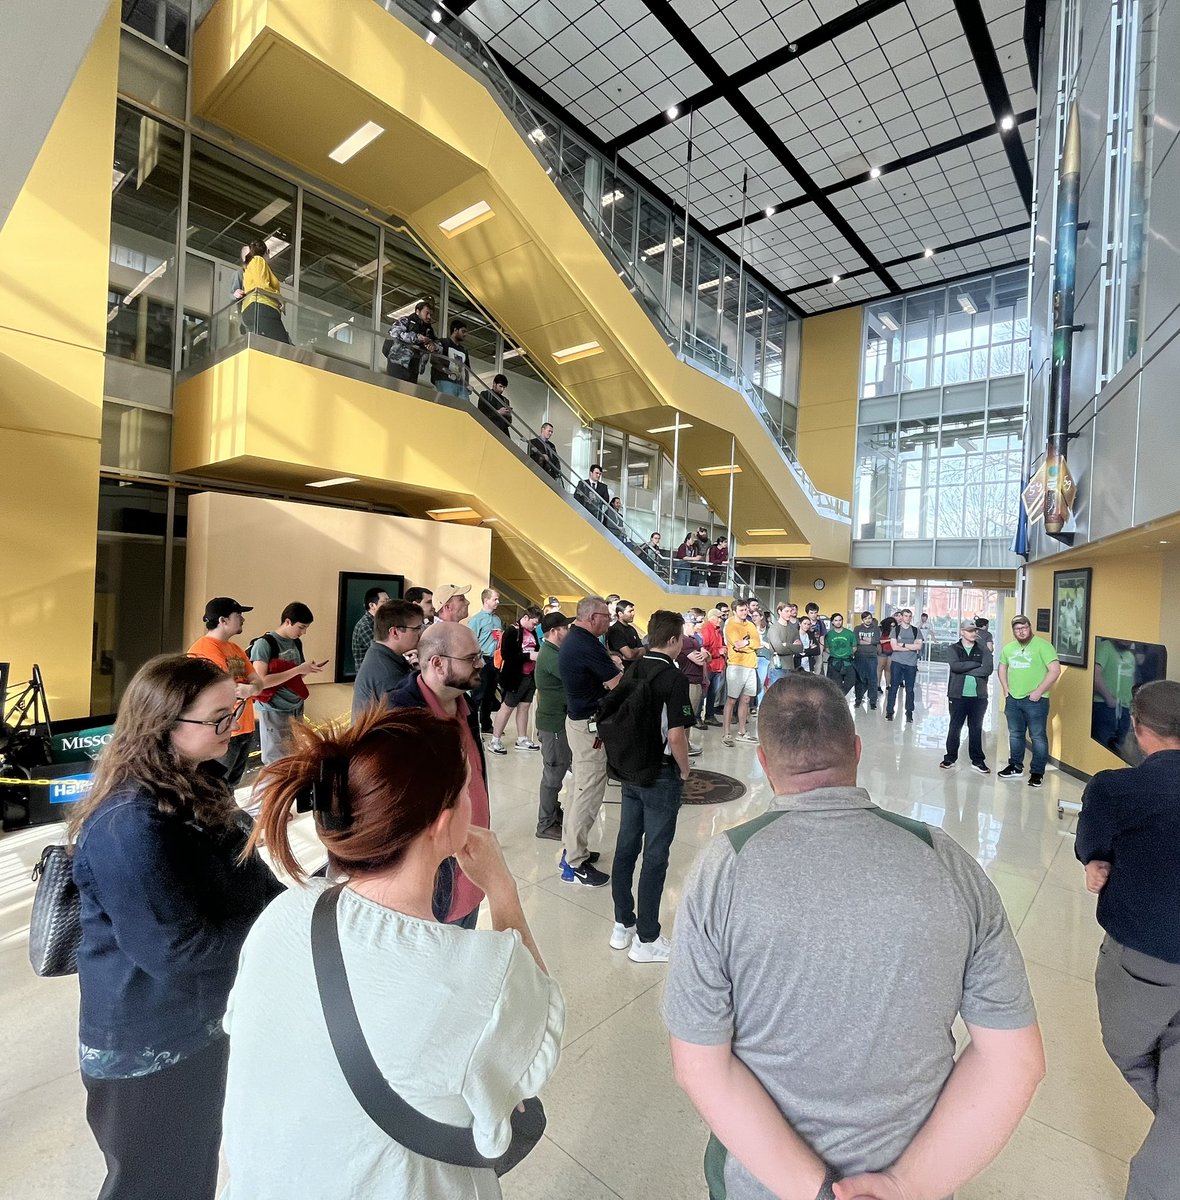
[[222, 724], [471, 659], [411, 628]]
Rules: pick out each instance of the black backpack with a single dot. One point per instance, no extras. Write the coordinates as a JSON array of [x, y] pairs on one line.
[[630, 725]]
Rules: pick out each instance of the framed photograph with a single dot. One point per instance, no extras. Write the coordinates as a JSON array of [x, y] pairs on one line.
[[1071, 616], [349, 610]]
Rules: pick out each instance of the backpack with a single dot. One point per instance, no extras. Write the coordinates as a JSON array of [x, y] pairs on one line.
[[630, 724], [267, 694]]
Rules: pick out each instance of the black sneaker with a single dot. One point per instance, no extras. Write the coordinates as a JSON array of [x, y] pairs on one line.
[[982, 768], [947, 766], [1010, 772], [909, 718], [552, 833], [1036, 779], [888, 716], [593, 857], [590, 875]]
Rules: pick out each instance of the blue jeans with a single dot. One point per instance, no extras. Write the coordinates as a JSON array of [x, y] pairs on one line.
[[761, 670], [1031, 716], [684, 576], [900, 676], [647, 822], [715, 695]]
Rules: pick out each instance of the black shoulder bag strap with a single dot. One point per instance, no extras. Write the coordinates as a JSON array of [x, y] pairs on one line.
[[399, 1120]]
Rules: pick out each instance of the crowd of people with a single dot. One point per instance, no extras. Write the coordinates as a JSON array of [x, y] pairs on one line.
[[190, 940]]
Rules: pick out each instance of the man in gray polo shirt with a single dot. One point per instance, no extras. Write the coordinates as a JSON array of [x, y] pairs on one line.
[[821, 954]]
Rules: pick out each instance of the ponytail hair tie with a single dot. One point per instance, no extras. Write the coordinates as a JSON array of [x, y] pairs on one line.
[[327, 797]]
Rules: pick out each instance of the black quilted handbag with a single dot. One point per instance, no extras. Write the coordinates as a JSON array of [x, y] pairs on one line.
[[55, 926]]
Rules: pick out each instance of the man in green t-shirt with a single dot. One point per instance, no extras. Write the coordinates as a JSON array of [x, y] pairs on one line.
[[1028, 669], [556, 755], [841, 646], [1114, 680]]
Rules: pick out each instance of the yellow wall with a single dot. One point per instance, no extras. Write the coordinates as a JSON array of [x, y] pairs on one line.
[[53, 273], [829, 377], [266, 553], [1126, 601]]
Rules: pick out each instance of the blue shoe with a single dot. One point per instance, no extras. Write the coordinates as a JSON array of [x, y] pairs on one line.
[[567, 872]]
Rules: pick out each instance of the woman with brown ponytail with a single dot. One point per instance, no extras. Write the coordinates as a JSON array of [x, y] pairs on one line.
[[463, 1024], [168, 894]]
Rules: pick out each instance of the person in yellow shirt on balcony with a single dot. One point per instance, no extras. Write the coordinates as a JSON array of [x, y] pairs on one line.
[[741, 675], [262, 303]]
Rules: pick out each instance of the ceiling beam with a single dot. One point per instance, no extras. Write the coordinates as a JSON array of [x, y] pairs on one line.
[[991, 75], [763, 66], [907, 160], [712, 70]]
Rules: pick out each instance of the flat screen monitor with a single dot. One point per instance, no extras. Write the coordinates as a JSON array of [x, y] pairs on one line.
[[1120, 669]]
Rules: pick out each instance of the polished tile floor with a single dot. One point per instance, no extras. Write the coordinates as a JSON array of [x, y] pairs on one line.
[[618, 1126]]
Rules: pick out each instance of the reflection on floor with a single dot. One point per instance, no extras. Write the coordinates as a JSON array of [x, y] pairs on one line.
[[618, 1126]]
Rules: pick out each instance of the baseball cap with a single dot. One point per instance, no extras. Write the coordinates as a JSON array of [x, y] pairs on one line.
[[446, 592], [224, 606], [1021, 619], [554, 620]]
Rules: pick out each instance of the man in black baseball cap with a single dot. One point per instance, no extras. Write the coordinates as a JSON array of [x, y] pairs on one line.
[[223, 622], [223, 606]]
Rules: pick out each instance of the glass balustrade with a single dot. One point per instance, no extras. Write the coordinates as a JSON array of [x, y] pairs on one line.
[[337, 335], [581, 175]]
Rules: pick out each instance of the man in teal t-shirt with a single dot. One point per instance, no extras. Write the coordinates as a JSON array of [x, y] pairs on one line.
[[487, 628], [282, 649], [841, 646], [1028, 669]]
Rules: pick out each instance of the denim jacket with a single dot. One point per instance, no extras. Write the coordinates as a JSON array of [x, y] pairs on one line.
[[165, 910]]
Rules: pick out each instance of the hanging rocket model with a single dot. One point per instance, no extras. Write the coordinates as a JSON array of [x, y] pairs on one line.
[[1060, 488]]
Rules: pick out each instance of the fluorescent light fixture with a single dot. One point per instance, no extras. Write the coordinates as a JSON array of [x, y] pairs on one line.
[[671, 428], [337, 482], [660, 247], [275, 245], [755, 312], [889, 323], [436, 16], [1007, 121], [611, 197], [370, 268], [147, 279], [835, 278], [473, 215], [673, 113], [766, 533], [769, 210], [874, 172], [537, 135], [929, 252], [454, 514], [443, 512], [573, 353], [354, 144], [272, 210], [514, 353], [709, 284], [967, 305], [727, 469]]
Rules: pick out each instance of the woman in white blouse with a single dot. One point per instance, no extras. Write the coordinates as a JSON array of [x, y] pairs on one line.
[[463, 1024]]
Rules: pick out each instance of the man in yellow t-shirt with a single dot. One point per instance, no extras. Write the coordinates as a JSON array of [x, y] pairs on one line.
[[741, 676]]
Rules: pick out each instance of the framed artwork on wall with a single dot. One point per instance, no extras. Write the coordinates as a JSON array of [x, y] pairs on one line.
[[1071, 616], [349, 610]]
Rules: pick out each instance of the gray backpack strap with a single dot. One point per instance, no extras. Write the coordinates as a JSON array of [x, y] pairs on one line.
[[917, 828], [739, 835]]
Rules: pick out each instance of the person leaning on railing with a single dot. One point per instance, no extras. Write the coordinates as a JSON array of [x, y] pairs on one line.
[[262, 304]]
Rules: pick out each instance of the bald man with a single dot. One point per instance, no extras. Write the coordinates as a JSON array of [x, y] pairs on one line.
[[450, 660]]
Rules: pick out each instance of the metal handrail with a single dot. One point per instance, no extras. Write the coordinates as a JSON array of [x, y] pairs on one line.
[[315, 327], [450, 30]]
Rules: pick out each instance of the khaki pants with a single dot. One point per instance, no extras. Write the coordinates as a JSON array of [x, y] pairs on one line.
[[589, 789]]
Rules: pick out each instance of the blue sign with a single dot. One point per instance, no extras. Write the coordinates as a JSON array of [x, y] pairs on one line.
[[69, 788]]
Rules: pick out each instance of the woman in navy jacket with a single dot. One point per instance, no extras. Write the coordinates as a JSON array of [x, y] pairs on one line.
[[166, 905]]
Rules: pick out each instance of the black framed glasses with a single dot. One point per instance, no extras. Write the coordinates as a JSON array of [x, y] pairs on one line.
[[221, 724], [471, 659]]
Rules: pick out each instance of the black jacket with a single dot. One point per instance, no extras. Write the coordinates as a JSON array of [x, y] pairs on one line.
[[544, 454], [513, 656], [489, 403], [978, 663]]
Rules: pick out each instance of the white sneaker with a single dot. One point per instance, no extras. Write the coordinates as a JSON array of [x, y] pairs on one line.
[[621, 936], [523, 743], [650, 952], [748, 737], [693, 751], [498, 746]]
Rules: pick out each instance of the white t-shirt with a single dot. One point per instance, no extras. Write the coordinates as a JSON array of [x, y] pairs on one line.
[[461, 1022]]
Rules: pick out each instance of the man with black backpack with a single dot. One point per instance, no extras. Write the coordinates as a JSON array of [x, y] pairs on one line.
[[278, 658], [644, 726]]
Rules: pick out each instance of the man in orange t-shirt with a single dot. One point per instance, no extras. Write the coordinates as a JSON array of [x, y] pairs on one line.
[[223, 619]]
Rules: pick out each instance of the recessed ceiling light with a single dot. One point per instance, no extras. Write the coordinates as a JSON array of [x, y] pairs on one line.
[[673, 113], [671, 428], [474, 214], [537, 135], [367, 133], [727, 469], [769, 210], [874, 172], [766, 533], [436, 16], [337, 482], [835, 278], [611, 196], [929, 252], [573, 353], [272, 210], [1007, 121]]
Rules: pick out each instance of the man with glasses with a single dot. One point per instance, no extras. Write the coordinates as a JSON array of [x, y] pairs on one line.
[[397, 626], [587, 673], [450, 660], [1028, 669]]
